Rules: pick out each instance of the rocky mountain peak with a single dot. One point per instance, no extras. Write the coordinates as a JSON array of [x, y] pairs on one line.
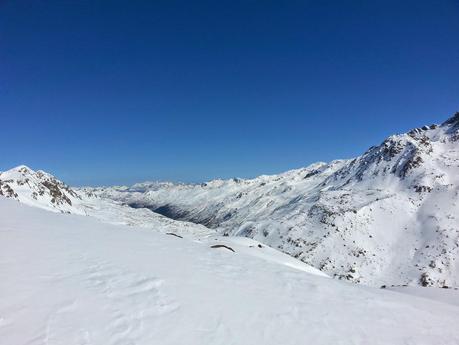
[[31, 187], [452, 121]]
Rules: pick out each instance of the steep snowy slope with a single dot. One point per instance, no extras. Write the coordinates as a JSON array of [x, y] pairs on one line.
[[387, 217], [69, 279]]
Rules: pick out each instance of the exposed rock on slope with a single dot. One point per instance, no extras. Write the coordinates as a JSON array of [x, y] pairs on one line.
[[386, 217], [38, 188]]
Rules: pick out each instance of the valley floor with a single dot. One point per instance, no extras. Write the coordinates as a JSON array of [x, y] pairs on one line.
[[68, 279]]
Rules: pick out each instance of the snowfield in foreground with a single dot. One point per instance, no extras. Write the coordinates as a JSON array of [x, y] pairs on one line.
[[69, 279]]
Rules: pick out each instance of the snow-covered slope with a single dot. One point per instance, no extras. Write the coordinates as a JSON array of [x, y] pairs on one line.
[[69, 279], [388, 217], [41, 189], [38, 188]]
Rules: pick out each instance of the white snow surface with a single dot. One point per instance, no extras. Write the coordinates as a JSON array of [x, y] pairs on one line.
[[387, 217], [40, 189], [69, 279]]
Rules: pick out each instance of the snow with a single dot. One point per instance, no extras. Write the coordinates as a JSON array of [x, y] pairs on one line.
[[387, 217], [254, 248], [70, 279], [40, 189], [448, 296]]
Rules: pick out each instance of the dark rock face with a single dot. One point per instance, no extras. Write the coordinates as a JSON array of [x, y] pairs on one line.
[[422, 189], [312, 173], [7, 191], [58, 197], [425, 280], [413, 162], [452, 121]]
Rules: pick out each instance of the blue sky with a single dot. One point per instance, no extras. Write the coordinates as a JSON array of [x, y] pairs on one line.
[[114, 92]]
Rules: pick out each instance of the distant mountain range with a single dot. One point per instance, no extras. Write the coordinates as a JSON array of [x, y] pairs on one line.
[[387, 217], [40, 189]]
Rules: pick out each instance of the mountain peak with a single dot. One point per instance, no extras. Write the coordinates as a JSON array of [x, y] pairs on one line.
[[37, 187], [22, 169], [454, 120]]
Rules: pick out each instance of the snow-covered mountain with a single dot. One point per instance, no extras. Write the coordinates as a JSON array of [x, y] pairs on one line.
[[70, 279], [387, 217], [93, 271], [42, 190], [38, 188]]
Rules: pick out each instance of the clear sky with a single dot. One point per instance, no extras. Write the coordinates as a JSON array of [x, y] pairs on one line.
[[114, 92]]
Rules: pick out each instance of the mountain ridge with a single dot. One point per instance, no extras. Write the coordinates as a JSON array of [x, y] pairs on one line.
[[385, 217]]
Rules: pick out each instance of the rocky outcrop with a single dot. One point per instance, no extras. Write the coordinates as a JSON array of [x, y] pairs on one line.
[[29, 186]]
